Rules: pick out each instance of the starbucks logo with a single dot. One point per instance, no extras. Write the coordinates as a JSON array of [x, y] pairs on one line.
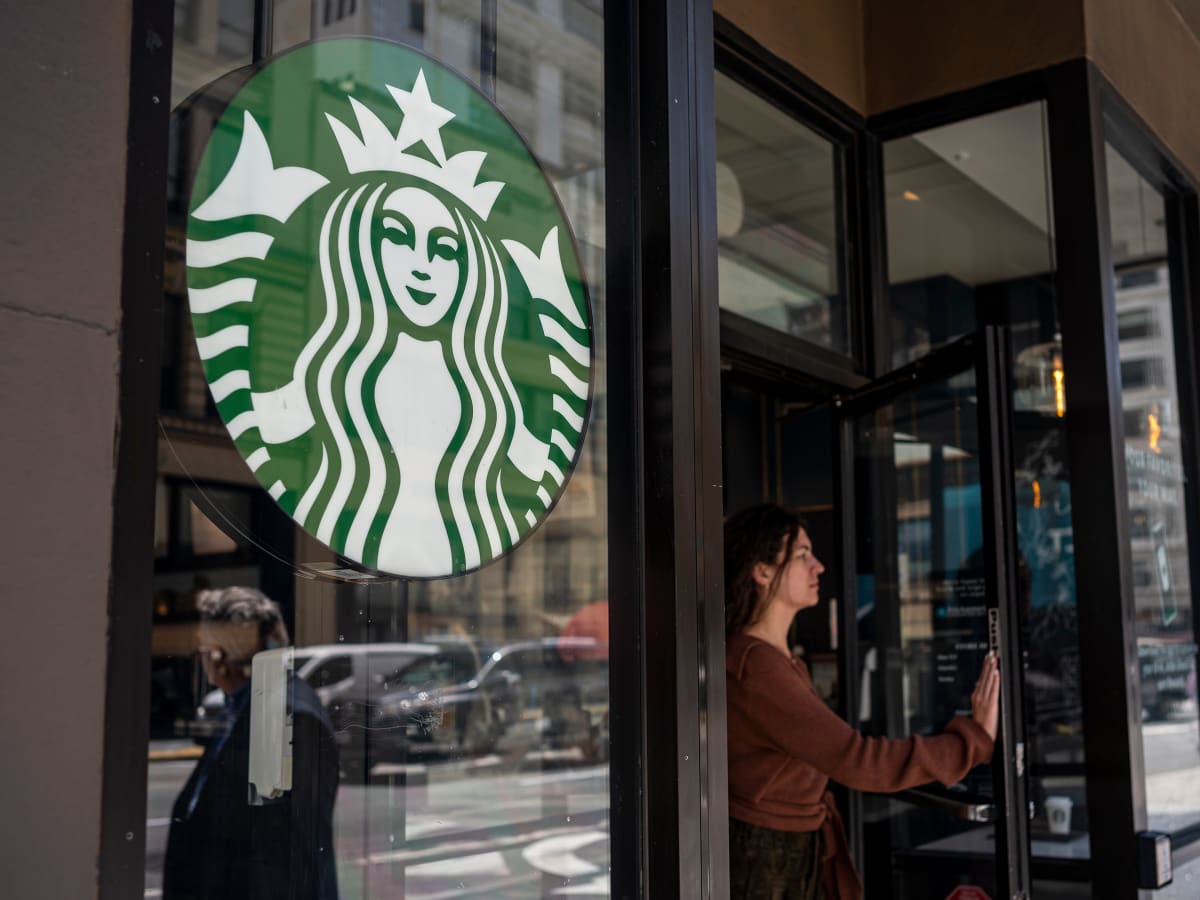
[[389, 307]]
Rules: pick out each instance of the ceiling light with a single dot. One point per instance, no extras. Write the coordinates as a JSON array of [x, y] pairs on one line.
[[911, 195]]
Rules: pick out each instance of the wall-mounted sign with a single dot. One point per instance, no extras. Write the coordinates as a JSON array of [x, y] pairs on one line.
[[389, 307]]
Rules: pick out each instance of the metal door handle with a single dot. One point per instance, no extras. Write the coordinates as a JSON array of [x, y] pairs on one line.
[[968, 808]]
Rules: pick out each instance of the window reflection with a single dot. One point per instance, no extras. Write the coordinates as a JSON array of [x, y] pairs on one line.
[[211, 37], [967, 224], [777, 220], [469, 716], [970, 241], [1155, 481]]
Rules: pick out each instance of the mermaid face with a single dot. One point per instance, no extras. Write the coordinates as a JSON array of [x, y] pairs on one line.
[[421, 254]]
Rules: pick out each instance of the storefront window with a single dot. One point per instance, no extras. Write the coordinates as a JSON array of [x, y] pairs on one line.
[[970, 242], [778, 224], [1155, 478], [441, 736], [967, 215]]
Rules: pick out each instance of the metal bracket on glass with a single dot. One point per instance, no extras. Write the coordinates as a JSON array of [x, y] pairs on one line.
[[968, 807]]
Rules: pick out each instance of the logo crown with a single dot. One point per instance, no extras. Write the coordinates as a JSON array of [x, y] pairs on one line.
[[376, 149]]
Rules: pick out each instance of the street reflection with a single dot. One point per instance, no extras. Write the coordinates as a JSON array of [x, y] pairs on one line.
[[446, 830], [467, 768]]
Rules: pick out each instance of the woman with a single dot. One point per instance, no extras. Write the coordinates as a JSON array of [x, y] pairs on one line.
[[786, 840], [406, 375], [404, 389], [410, 276]]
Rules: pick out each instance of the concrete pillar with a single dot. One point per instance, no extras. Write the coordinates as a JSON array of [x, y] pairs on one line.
[[62, 169]]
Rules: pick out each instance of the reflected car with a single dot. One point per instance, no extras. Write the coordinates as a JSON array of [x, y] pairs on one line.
[[360, 724], [334, 671], [543, 701]]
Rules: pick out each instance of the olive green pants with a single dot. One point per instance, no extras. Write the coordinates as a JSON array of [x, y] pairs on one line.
[[765, 864]]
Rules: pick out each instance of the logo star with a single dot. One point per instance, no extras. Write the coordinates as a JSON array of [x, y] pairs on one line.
[[423, 119]]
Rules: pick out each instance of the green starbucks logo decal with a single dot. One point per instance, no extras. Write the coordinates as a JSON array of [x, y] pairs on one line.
[[389, 307]]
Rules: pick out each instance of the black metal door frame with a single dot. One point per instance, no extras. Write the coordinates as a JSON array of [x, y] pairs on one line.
[[986, 353], [1080, 103], [668, 828], [1078, 99], [669, 792], [1116, 123], [1125, 132]]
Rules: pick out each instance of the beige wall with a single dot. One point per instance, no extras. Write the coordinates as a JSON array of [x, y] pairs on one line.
[[64, 96], [925, 48], [1153, 59], [822, 38], [878, 55]]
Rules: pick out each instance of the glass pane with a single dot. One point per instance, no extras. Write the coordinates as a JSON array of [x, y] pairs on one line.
[[778, 225], [449, 735], [1186, 884], [1046, 592], [967, 216], [1137, 219], [212, 37], [970, 239], [922, 621], [1155, 477]]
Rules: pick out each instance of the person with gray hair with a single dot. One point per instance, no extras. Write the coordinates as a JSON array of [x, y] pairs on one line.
[[224, 842]]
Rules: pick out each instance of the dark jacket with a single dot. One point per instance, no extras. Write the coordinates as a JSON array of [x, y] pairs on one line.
[[220, 846]]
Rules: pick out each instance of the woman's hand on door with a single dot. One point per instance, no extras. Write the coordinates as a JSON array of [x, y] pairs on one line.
[[985, 700]]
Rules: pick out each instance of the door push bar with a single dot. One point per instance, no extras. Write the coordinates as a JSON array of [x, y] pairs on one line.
[[968, 808]]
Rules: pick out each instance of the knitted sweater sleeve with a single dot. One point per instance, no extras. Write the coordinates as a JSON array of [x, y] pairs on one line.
[[787, 712]]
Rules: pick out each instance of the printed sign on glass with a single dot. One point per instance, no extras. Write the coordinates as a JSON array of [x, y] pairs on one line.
[[389, 307]]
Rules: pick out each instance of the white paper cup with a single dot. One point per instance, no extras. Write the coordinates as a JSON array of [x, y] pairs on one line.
[[1058, 814]]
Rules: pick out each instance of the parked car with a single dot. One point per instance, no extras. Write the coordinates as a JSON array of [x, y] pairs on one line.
[[544, 700], [334, 671], [362, 728]]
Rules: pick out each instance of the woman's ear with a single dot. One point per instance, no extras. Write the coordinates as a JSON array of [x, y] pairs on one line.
[[763, 573]]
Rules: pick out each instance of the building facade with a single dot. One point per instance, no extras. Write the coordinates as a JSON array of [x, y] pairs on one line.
[[924, 273]]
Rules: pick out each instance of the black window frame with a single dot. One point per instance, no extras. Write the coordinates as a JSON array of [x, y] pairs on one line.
[[1080, 103], [669, 833], [1124, 130], [668, 807], [756, 347], [1077, 99]]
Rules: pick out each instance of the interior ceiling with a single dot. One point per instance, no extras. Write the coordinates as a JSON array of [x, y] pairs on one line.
[[784, 171], [781, 176], [968, 199], [982, 211]]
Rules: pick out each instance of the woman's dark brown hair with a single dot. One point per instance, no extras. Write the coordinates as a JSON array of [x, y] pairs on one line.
[[755, 535]]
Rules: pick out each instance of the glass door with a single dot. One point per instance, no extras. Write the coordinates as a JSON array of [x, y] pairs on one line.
[[929, 545]]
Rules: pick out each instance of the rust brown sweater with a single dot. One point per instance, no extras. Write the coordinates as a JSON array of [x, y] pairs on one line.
[[785, 744]]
